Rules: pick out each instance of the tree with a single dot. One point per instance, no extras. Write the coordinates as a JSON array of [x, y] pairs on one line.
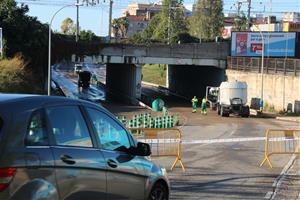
[[115, 27], [207, 21], [240, 23], [123, 26], [172, 21], [26, 35], [87, 35], [151, 27], [68, 27], [120, 27]]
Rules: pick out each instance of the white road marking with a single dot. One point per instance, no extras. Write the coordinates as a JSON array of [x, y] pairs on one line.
[[268, 195], [228, 140], [214, 141]]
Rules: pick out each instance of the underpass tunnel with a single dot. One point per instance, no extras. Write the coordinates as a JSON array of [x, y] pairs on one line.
[[192, 80], [123, 82]]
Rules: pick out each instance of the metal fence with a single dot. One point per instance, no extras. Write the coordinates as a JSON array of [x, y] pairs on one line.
[[281, 142], [163, 142], [285, 66]]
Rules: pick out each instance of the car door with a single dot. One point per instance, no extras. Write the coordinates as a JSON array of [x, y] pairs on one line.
[[126, 175], [39, 173], [80, 167]]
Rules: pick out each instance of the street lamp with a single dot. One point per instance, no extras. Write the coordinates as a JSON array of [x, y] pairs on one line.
[[49, 45], [262, 62]]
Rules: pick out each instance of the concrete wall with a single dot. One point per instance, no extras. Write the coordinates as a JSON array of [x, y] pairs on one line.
[[189, 81], [278, 90], [124, 81]]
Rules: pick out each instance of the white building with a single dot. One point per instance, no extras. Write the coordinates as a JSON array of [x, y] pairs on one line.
[[291, 17]]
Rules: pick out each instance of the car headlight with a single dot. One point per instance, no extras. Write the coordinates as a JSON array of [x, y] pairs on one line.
[[164, 171]]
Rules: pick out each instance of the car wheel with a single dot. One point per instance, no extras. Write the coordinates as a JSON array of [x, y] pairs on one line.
[[158, 192]]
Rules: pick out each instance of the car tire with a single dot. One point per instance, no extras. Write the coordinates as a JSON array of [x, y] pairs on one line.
[[158, 192]]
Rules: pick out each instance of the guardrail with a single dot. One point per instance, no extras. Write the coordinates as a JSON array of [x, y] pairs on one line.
[[163, 142], [281, 142], [271, 65]]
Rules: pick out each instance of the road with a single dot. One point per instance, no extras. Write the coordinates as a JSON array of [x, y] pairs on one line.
[[224, 169], [64, 76], [227, 169]]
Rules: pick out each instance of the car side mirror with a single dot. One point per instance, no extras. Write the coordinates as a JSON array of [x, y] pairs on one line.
[[143, 149]]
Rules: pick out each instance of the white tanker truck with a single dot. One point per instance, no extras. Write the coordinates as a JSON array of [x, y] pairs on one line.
[[231, 99]]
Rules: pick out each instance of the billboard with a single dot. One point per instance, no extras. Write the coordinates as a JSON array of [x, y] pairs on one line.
[[277, 44]]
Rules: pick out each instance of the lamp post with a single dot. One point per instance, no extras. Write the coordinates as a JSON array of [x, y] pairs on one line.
[[262, 62], [49, 45]]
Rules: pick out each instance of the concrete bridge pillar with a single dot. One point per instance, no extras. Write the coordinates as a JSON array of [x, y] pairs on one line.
[[123, 81], [189, 81]]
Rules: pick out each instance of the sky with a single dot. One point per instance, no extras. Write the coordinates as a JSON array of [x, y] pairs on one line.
[[95, 18]]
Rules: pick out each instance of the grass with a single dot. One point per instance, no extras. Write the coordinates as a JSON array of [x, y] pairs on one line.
[[155, 73]]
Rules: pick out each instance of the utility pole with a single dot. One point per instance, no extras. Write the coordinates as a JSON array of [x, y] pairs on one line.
[[239, 5], [269, 18], [169, 23], [77, 22], [110, 19], [249, 14]]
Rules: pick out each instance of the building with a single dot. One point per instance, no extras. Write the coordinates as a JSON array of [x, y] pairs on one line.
[[138, 16], [136, 24], [291, 17], [146, 10]]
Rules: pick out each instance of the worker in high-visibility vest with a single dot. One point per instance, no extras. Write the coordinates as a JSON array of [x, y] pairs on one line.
[[194, 104], [203, 106]]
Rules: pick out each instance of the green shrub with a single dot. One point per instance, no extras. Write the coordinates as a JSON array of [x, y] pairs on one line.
[[15, 78]]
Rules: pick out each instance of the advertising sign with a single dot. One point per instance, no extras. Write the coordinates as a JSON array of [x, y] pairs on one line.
[[1, 46], [277, 44]]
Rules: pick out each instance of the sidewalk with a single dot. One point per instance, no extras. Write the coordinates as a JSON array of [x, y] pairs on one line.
[[289, 184], [293, 119]]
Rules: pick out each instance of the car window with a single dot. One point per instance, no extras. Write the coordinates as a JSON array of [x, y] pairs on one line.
[[68, 126], [1, 124], [112, 136], [36, 132]]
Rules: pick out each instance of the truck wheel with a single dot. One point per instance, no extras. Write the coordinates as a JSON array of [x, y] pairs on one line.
[[224, 113], [246, 111]]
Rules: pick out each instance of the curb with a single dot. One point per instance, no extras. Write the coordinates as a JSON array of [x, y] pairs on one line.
[[289, 119], [144, 105]]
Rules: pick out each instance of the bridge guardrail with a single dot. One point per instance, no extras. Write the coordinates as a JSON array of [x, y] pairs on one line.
[[281, 142], [271, 65], [163, 142]]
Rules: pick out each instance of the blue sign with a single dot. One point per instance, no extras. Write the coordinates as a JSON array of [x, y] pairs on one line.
[[276, 44]]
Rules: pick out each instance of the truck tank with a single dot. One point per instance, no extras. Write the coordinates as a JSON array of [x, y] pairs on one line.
[[230, 90]]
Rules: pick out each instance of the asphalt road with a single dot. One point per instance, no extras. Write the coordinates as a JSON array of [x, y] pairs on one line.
[[223, 170], [228, 170], [220, 170]]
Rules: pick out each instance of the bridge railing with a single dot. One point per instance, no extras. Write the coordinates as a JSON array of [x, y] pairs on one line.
[[271, 65]]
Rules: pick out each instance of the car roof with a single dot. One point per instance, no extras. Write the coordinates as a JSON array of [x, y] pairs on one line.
[[38, 99]]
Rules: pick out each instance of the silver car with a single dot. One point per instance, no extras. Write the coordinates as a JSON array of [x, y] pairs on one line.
[[60, 148]]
